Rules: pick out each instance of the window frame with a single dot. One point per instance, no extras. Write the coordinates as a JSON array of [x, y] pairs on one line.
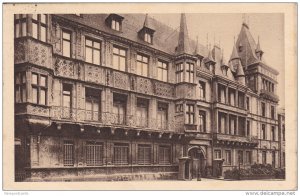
[[117, 147], [162, 110], [68, 160], [202, 89], [39, 88], [190, 69], [93, 48], [162, 69], [217, 154], [66, 40], [40, 24], [143, 64], [190, 114], [264, 132], [20, 87], [226, 161], [163, 151], [119, 56], [142, 106], [19, 22], [179, 72], [202, 114], [93, 96], [94, 152], [145, 160]]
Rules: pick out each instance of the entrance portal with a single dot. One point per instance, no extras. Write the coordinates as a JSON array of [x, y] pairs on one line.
[[197, 162]]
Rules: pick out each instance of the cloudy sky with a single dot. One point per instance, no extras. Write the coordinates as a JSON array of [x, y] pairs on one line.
[[224, 27]]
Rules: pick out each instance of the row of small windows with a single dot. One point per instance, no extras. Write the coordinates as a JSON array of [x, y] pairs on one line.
[[243, 157], [121, 153]]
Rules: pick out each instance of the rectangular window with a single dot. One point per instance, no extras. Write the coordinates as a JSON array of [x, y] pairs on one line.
[[221, 93], [273, 158], [233, 128], [142, 113], [240, 157], [162, 115], [248, 157], [247, 103], [164, 155], [217, 154], [178, 108], [68, 153], [92, 104], [179, 72], [263, 109], [189, 76], [222, 123], [20, 25], [144, 154], [92, 51], [241, 99], [67, 103], [273, 135], [264, 157], [39, 27], [147, 38], [119, 58], [94, 153], [263, 130], [119, 109], [231, 97], [66, 44], [190, 114], [20, 87], [202, 121], [121, 154], [39, 88], [142, 63], [248, 128], [272, 112], [227, 157], [202, 90], [162, 71], [115, 25]]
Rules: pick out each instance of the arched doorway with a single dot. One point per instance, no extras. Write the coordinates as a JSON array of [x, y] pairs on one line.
[[197, 162]]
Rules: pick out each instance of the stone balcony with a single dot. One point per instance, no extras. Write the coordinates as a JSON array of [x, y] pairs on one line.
[[107, 119], [235, 140], [268, 95]]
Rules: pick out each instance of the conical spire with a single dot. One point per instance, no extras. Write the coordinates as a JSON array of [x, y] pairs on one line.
[[240, 71], [258, 46], [234, 54], [196, 48], [183, 40], [223, 60], [146, 22]]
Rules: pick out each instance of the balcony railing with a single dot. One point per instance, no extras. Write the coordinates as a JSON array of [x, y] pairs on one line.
[[268, 95], [236, 138], [108, 118]]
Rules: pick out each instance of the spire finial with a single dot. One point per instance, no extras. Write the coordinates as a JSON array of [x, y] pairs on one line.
[[146, 23], [183, 40]]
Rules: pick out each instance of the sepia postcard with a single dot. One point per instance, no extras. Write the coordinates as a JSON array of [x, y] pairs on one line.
[[187, 96]]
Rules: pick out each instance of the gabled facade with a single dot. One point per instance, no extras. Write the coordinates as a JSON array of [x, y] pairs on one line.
[[114, 97]]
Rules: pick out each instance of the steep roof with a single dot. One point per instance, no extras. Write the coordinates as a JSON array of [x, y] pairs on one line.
[[163, 40]]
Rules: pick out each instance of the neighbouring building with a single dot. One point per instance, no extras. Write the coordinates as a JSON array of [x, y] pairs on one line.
[[123, 96], [281, 135]]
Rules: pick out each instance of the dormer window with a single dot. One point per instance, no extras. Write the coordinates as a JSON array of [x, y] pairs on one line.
[[146, 32], [114, 21]]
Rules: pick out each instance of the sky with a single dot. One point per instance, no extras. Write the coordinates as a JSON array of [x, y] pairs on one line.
[[222, 28]]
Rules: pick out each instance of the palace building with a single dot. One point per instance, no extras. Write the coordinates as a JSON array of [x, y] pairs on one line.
[[125, 97]]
